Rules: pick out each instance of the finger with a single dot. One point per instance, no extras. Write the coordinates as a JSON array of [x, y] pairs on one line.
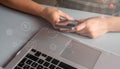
[[66, 30], [63, 23], [83, 33], [63, 29], [66, 16], [80, 27]]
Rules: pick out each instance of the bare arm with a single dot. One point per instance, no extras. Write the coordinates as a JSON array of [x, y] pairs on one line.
[[51, 14], [114, 24], [97, 26], [28, 6]]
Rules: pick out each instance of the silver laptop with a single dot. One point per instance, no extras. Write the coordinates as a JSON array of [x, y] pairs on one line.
[[51, 49]]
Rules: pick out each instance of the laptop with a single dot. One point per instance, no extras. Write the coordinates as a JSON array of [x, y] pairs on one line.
[[51, 49]]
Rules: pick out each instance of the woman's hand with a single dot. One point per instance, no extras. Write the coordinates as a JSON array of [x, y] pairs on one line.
[[93, 27], [53, 15]]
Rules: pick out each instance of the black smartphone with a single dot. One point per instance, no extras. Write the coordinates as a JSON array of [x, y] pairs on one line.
[[71, 23]]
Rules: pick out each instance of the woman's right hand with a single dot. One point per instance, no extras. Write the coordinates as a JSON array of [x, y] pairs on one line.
[[53, 15]]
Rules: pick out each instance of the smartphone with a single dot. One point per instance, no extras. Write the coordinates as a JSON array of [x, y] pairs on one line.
[[71, 24]]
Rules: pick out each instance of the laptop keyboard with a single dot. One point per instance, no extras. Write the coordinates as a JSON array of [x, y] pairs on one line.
[[37, 60]]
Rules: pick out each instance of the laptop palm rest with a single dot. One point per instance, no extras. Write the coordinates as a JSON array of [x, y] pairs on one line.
[[81, 54], [72, 50]]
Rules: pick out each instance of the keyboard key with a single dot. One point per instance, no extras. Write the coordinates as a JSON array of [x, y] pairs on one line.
[[26, 67], [34, 64], [52, 66], [37, 54], [31, 68], [39, 67], [48, 59], [66, 66], [17, 67], [40, 61], [28, 62], [31, 57], [33, 50], [58, 68], [55, 61], [23, 60], [45, 68], [44, 55], [46, 64], [21, 64]]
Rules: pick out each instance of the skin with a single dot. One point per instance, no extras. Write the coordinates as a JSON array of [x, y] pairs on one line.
[[92, 27], [97, 26], [51, 14]]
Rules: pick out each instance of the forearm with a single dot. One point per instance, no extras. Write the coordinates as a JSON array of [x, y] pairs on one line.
[[28, 6], [113, 24]]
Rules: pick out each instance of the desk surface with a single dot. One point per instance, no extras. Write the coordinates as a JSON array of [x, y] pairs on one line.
[[16, 28]]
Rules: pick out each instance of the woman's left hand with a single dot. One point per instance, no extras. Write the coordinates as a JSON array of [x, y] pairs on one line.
[[92, 27]]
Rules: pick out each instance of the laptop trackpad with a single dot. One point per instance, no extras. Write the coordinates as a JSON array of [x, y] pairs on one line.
[[81, 54]]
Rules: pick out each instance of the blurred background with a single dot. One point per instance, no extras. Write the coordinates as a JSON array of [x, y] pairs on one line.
[[109, 7]]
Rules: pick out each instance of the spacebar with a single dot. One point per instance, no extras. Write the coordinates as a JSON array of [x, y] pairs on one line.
[[66, 66]]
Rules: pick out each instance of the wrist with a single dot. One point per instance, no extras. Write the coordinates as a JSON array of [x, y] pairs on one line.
[[109, 23], [41, 11], [113, 24], [106, 21]]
